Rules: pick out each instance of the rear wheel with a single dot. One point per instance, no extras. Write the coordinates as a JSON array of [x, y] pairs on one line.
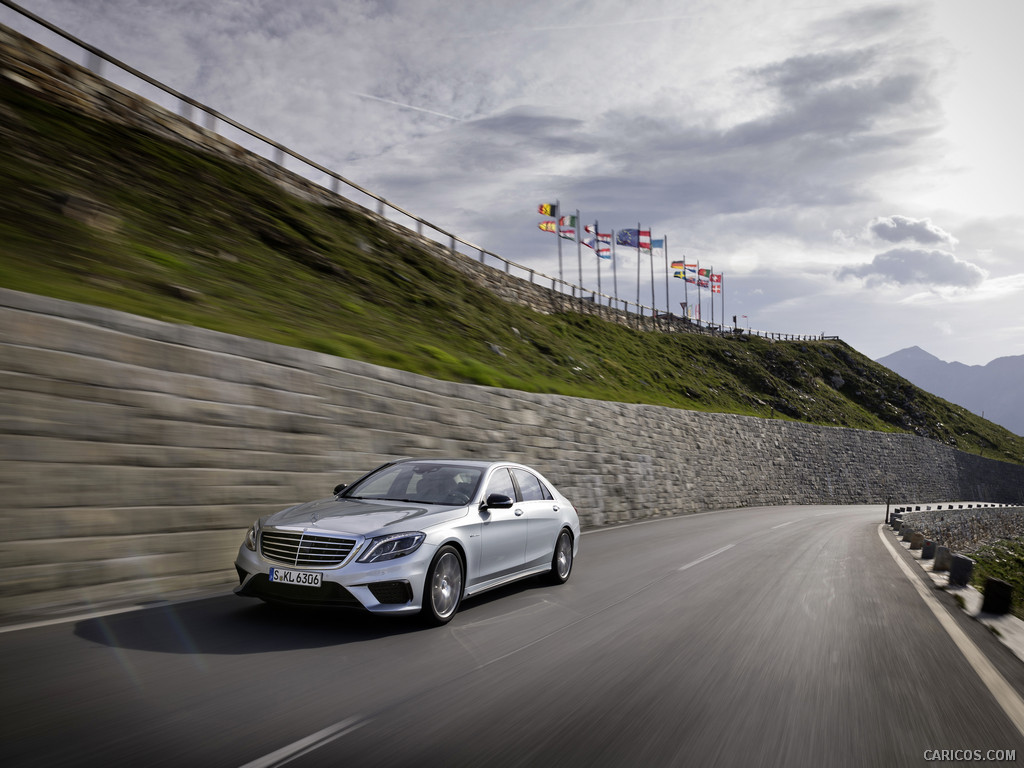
[[442, 591], [561, 561]]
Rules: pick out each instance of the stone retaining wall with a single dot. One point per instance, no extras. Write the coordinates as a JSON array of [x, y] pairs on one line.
[[133, 453]]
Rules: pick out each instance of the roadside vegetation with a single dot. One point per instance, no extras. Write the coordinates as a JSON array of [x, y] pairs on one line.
[[108, 215]]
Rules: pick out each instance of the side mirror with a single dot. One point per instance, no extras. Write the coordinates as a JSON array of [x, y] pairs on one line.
[[497, 501], [339, 488]]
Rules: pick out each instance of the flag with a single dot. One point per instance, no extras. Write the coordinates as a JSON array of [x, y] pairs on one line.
[[590, 229], [547, 226], [598, 245], [701, 283], [678, 265], [691, 280], [637, 238], [605, 253], [658, 247], [548, 209], [605, 237], [716, 288], [691, 268], [716, 278], [704, 272], [567, 221], [629, 237], [679, 275], [568, 234]]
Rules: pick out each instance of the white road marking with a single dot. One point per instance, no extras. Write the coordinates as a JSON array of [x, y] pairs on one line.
[[1004, 694], [308, 744], [782, 525], [708, 556]]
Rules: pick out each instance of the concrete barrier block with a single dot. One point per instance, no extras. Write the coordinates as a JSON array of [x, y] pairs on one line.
[[960, 570], [906, 532], [927, 550], [943, 559], [916, 540], [998, 597]]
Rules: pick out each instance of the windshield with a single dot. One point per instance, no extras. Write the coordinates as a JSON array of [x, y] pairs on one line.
[[419, 482]]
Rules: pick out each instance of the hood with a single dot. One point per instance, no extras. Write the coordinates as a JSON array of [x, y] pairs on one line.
[[364, 517]]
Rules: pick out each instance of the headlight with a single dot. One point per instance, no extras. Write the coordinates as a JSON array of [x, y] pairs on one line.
[[250, 538], [390, 547]]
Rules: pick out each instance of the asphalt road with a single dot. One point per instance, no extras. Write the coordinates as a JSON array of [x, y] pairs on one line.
[[783, 636]]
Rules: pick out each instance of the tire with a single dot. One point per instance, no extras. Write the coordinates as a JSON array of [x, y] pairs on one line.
[[442, 590], [561, 560]]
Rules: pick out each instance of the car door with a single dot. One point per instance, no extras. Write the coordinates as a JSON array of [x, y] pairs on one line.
[[502, 531], [542, 517]]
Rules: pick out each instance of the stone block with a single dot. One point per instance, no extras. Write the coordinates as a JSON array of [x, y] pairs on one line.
[[928, 550], [943, 559], [916, 540], [998, 597], [960, 569]]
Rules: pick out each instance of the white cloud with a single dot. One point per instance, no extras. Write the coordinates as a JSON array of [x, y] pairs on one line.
[[911, 266], [898, 229]]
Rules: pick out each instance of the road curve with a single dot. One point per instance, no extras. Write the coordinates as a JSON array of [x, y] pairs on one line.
[[782, 636]]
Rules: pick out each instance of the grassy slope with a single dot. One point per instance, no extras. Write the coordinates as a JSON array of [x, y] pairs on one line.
[[187, 237]]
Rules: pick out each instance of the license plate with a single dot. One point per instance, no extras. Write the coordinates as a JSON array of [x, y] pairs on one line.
[[298, 578]]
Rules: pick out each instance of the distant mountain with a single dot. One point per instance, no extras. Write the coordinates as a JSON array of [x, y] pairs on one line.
[[993, 391]]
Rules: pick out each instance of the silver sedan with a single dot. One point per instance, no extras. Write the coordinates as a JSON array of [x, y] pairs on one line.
[[413, 536]]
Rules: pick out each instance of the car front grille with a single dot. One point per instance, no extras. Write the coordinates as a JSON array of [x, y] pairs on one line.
[[305, 549]]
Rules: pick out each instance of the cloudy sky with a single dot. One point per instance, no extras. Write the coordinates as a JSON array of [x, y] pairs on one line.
[[852, 168]]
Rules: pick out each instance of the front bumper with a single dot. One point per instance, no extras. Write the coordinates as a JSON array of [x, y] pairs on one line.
[[391, 587]]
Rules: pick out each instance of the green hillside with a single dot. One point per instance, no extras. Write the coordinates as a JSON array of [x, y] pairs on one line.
[[107, 215]]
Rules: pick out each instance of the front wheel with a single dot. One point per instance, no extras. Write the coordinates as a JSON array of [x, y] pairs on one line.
[[561, 561], [442, 591]]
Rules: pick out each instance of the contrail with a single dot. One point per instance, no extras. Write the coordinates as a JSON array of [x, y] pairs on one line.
[[405, 106]]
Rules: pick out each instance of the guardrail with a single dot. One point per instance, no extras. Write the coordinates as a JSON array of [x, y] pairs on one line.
[[212, 120]]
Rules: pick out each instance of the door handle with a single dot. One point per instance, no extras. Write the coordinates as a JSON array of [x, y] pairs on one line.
[[519, 512], [554, 507]]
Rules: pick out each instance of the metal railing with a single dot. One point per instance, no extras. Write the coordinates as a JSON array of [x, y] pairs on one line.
[[210, 119]]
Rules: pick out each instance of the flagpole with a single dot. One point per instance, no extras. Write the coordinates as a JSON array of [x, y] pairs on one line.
[[558, 237], [654, 301], [638, 268], [710, 273], [597, 251], [686, 290], [698, 293], [721, 290], [579, 251], [668, 303], [615, 271]]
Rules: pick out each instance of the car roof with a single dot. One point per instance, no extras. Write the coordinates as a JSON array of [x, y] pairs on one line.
[[482, 463]]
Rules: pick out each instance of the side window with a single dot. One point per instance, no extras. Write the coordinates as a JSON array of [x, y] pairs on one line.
[[501, 482], [531, 488]]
